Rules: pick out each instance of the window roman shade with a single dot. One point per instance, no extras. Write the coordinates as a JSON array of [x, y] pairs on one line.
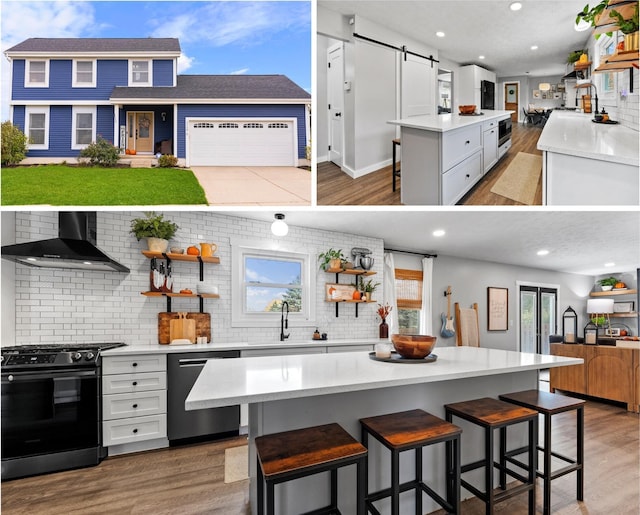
[[409, 288]]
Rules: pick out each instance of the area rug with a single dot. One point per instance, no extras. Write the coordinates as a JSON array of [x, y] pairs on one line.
[[236, 464], [520, 180]]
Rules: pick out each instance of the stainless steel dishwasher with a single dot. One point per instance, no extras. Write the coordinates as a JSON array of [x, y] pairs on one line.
[[183, 370]]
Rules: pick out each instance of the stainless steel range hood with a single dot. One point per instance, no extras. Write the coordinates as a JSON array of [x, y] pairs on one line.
[[74, 248]]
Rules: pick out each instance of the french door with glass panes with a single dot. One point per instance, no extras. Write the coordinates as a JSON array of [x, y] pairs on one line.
[[538, 318]]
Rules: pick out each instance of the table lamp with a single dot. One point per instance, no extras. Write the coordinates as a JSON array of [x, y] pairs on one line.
[[597, 307]]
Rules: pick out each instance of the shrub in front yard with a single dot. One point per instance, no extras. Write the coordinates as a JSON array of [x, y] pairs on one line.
[[167, 161], [14, 144], [101, 153]]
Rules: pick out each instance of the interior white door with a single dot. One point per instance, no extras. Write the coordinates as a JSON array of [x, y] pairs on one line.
[[335, 98], [418, 78]]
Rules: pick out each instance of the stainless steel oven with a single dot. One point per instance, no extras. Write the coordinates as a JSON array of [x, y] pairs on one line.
[[504, 131], [51, 409]]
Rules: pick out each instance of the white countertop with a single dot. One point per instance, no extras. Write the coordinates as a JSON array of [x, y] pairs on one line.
[[249, 380], [448, 122], [576, 135], [169, 349]]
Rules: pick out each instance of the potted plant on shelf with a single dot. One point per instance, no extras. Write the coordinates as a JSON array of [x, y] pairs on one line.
[[608, 283], [369, 287], [331, 259], [155, 229]]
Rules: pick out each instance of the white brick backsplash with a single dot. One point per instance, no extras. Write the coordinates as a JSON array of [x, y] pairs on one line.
[[62, 305]]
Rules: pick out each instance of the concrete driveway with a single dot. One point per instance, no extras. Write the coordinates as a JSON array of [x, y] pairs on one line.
[[255, 185]]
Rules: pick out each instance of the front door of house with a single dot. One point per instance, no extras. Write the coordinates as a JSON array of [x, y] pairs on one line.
[[140, 131], [511, 99]]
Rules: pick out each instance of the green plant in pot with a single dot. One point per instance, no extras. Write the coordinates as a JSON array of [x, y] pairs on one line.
[[369, 287], [331, 259], [155, 229], [574, 56], [608, 283]]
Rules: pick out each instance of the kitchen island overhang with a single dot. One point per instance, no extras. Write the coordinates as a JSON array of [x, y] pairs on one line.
[[289, 392]]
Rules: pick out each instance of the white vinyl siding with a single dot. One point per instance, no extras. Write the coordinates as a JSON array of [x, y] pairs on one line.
[[36, 73], [140, 72], [37, 127], [83, 130], [84, 73], [241, 142]]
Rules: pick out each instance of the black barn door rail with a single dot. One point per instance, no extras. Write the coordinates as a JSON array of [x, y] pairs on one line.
[[402, 49]]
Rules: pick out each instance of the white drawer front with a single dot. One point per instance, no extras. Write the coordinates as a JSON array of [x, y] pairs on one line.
[[491, 124], [457, 181], [135, 363], [459, 144], [129, 430], [129, 383], [124, 405]]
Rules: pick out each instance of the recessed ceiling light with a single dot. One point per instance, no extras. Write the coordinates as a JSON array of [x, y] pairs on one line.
[[609, 264], [440, 34], [439, 232], [480, 57], [515, 6], [542, 252], [534, 47]]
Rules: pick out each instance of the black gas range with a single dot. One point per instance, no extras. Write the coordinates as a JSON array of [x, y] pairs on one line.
[[51, 407]]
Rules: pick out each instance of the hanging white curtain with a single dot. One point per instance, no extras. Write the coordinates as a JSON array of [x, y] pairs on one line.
[[426, 318], [390, 292]]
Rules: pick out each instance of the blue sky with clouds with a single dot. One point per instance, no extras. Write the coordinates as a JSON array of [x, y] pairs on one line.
[[235, 37]]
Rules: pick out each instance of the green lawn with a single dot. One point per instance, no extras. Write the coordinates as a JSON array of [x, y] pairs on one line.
[[63, 185]]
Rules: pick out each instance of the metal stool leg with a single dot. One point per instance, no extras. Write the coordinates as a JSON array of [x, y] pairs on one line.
[[580, 457], [393, 165], [260, 479], [395, 483], [488, 469], [419, 479], [546, 495], [533, 463]]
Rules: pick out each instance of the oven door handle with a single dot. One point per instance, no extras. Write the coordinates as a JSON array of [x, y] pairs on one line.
[[47, 374]]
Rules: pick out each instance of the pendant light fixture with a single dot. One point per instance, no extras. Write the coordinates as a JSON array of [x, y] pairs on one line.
[[279, 227]]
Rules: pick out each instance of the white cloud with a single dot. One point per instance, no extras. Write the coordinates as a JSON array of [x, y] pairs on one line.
[[184, 62], [23, 20], [241, 71]]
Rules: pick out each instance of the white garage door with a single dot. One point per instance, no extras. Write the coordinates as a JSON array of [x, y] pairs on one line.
[[241, 142]]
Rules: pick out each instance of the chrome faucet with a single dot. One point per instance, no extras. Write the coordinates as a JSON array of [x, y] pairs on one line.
[[284, 321]]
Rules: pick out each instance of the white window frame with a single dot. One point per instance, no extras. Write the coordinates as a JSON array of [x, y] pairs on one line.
[[27, 74], [82, 110], [239, 316], [29, 110], [600, 47], [74, 79], [140, 84]]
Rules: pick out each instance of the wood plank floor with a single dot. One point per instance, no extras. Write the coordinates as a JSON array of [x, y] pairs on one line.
[[336, 188], [190, 479]]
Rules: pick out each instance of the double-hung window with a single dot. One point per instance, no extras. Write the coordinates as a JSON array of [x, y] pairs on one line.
[[84, 73], [264, 279], [83, 130], [37, 127], [140, 72], [36, 73]]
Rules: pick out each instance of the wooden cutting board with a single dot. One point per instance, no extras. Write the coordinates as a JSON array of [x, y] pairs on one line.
[[202, 326]]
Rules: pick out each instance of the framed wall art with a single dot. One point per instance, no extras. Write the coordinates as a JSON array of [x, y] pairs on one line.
[[497, 309]]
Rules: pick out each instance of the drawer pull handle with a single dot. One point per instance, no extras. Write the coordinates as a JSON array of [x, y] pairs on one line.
[[467, 142], [468, 176], [135, 383], [134, 364], [135, 431], [135, 405]]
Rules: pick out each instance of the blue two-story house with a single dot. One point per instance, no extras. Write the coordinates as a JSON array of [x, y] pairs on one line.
[[65, 92]]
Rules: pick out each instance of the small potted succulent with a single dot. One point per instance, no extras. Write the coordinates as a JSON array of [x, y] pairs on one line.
[[608, 283], [369, 287], [331, 259], [155, 229]]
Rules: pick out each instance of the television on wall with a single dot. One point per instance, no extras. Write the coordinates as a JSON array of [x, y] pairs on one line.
[[487, 94]]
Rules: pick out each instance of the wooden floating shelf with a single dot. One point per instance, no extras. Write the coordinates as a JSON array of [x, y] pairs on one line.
[[612, 292], [606, 23], [349, 271], [184, 295], [181, 257], [581, 66], [621, 61], [624, 315]]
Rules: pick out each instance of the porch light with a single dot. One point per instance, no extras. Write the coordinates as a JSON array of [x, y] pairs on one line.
[[279, 227]]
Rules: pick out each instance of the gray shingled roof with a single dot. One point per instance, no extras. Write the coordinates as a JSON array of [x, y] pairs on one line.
[[219, 86], [71, 45]]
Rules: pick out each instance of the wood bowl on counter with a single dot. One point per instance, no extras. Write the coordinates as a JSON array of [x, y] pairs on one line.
[[413, 346], [467, 109]]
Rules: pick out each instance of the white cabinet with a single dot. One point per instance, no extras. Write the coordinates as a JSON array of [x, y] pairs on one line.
[[134, 402], [468, 83], [461, 178], [459, 144], [489, 145]]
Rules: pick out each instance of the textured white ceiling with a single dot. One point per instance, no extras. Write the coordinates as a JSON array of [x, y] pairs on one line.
[[578, 241], [483, 27]]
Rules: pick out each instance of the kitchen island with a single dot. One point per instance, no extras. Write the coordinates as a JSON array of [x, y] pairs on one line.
[[443, 156], [587, 163], [288, 392]]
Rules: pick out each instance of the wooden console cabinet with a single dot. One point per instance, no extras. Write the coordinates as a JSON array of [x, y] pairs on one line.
[[609, 373]]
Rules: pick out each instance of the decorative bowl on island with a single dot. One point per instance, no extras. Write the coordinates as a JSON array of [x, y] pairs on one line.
[[413, 346], [467, 109]]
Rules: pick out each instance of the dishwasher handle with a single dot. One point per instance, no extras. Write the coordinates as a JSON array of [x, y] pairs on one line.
[[194, 362]]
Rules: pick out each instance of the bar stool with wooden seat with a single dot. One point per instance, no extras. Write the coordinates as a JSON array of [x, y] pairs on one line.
[[395, 173], [300, 453], [549, 404], [492, 414], [414, 429]]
